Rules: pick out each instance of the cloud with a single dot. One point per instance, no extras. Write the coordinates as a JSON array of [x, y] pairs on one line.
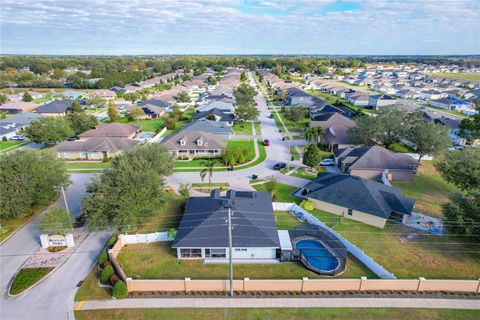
[[240, 26]]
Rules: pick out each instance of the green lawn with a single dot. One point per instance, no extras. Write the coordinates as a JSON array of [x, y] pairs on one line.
[[452, 112], [332, 99], [157, 261], [145, 125], [291, 126], [294, 153], [428, 189], [8, 226], [283, 194], [464, 76], [45, 99], [401, 148], [243, 128], [285, 220], [258, 130], [279, 314], [26, 278], [305, 174], [87, 165], [10, 145], [90, 290]]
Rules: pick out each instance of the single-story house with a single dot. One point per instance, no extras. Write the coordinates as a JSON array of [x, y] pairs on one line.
[[11, 125], [378, 101], [203, 232], [298, 97], [105, 93], [336, 128], [213, 127], [152, 111], [371, 162], [94, 148], [191, 144], [55, 108], [215, 115], [111, 130], [166, 105], [18, 106], [358, 98], [220, 105], [358, 199], [454, 104], [73, 94], [35, 95]]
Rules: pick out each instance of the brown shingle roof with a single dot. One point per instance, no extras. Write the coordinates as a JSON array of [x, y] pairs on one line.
[[111, 145], [190, 140], [111, 130]]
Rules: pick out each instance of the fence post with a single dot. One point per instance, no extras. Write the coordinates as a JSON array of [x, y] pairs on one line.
[[361, 282], [186, 287], [420, 282], [127, 281], [478, 286], [245, 280], [304, 279]]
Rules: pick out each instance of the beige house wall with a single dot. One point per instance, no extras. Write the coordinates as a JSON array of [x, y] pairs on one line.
[[373, 174], [356, 215]]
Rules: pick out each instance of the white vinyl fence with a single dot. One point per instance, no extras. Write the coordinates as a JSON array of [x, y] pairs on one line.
[[156, 138], [145, 238], [356, 252]]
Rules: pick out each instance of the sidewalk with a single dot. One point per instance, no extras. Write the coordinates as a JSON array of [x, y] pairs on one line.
[[279, 303]]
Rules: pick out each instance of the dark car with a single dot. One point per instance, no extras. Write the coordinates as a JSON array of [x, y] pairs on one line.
[[279, 166], [266, 142], [73, 138], [271, 116]]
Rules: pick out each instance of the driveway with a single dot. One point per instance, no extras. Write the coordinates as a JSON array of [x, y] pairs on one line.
[[52, 298]]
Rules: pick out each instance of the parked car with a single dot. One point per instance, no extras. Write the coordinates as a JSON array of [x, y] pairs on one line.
[[18, 138], [271, 116], [73, 138], [327, 162], [456, 148], [279, 166], [266, 142]]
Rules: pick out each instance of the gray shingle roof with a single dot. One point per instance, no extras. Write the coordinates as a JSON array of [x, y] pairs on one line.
[[204, 221], [58, 106], [190, 138], [208, 126], [375, 157], [359, 194], [111, 145], [219, 113], [17, 121]]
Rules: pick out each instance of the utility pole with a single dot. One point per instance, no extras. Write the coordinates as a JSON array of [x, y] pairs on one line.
[[230, 250], [65, 199]]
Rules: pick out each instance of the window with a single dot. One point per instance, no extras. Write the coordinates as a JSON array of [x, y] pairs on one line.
[[241, 250], [190, 253], [84, 155], [215, 253], [350, 212]]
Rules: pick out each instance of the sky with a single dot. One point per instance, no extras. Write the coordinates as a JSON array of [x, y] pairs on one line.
[[128, 27]]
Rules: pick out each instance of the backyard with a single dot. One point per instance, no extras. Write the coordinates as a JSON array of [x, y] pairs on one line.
[[332, 99], [242, 128], [428, 189]]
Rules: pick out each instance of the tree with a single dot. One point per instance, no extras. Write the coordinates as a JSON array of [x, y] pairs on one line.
[[124, 197], [385, 127], [212, 80], [470, 127], [296, 114], [106, 273], [207, 170], [27, 97], [312, 156], [211, 117], [95, 100], [463, 214], [112, 111], [132, 96], [3, 98], [49, 130], [76, 107], [429, 138], [57, 221], [244, 95], [81, 122], [271, 186], [314, 134], [135, 113], [247, 112], [29, 178], [184, 189], [461, 168], [243, 77], [183, 97]]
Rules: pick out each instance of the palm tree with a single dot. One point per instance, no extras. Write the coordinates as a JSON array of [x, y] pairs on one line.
[[208, 169], [314, 134]]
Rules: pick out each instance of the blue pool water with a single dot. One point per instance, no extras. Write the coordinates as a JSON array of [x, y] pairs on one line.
[[316, 255]]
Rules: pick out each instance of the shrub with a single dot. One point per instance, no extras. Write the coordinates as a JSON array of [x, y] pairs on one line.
[[106, 273], [111, 241], [307, 205], [102, 258], [113, 279], [106, 263], [120, 290], [4, 139]]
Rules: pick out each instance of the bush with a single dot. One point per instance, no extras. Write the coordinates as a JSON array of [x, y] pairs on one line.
[[120, 290], [113, 279], [111, 241], [102, 258], [307, 205], [4, 139], [107, 272]]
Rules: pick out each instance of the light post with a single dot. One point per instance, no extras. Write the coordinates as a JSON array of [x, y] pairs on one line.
[[230, 262]]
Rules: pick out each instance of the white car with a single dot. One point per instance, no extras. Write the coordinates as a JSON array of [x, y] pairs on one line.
[[18, 138], [327, 162]]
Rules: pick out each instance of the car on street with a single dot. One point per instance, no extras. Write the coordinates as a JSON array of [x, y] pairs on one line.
[[266, 142], [271, 116], [17, 138], [327, 162], [279, 166], [456, 148]]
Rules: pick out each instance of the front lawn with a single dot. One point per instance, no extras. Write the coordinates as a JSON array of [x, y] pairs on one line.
[[305, 174], [284, 192], [294, 153], [10, 145], [157, 261], [428, 189], [71, 165], [243, 128], [298, 126], [26, 278], [45, 99], [278, 313]]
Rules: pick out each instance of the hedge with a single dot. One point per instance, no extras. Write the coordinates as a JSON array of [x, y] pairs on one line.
[[107, 272], [120, 290]]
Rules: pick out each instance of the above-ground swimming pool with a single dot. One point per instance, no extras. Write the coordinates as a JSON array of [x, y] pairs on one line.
[[316, 255]]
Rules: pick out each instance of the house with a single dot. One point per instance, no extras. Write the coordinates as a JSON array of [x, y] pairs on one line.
[[94, 148], [203, 232], [220, 105], [188, 144], [357, 98], [296, 97], [152, 111], [11, 125], [215, 115], [451, 123], [213, 127], [111, 130], [105, 93], [55, 108], [14, 107], [158, 102], [318, 110], [358, 199], [371, 162], [472, 94], [35, 95], [336, 128], [73, 94], [378, 101], [432, 94]]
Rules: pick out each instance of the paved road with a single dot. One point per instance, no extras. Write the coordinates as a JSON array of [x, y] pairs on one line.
[[52, 298], [281, 303]]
